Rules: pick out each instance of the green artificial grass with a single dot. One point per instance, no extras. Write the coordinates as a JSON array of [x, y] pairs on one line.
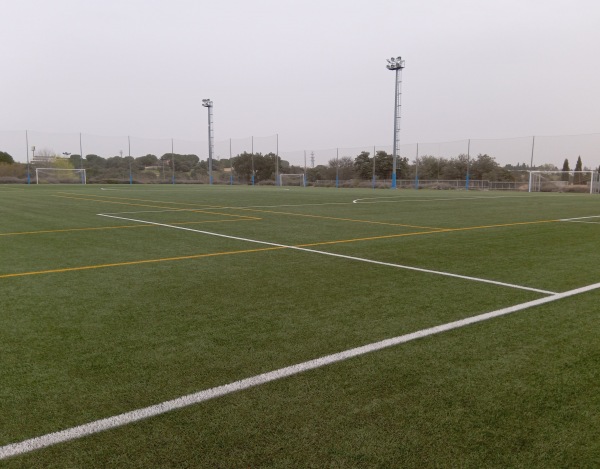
[[89, 328]]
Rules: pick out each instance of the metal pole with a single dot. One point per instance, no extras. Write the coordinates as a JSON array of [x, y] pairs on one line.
[[27, 143], [207, 103], [129, 155], [395, 150], [468, 161], [33, 161], [439, 161], [417, 169], [397, 64], [277, 162], [210, 145], [531, 162], [304, 182], [337, 167], [252, 156], [230, 165], [373, 178], [81, 157], [173, 161]]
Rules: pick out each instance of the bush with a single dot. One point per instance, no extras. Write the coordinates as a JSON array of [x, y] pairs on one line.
[[11, 180], [576, 188]]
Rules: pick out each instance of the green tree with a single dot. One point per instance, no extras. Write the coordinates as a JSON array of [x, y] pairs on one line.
[[95, 161], [383, 165], [430, 167], [185, 163], [578, 179], [145, 161], [117, 162], [318, 173], [75, 161], [363, 165], [6, 158], [565, 175], [345, 168], [242, 165], [456, 168], [267, 165]]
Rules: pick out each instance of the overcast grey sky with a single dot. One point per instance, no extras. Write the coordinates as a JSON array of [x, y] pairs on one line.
[[311, 71]]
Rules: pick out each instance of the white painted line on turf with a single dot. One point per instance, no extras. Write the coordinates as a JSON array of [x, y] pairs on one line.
[[332, 254], [579, 218], [398, 198], [80, 431]]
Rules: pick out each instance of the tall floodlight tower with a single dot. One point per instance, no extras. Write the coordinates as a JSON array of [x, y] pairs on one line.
[[396, 64], [207, 103]]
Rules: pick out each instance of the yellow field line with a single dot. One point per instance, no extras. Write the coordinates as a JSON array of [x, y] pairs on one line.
[[199, 256], [118, 203], [146, 261], [153, 206], [370, 238], [418, 233], [153, 201], [338, 218], [99, 228], [253, 210], [219, 213]]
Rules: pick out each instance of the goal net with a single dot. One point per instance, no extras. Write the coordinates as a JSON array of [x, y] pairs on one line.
[[60, 176], [292, 180], [564, 181]]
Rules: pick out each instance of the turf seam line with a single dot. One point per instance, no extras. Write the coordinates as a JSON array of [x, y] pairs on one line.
[[80, 431], [342, 256]]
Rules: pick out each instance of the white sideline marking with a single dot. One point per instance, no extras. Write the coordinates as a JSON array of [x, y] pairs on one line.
[[126, 418], [579, 218], [332, 254], [399, 198]]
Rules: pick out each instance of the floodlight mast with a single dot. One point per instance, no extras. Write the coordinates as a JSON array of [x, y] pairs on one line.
[[207, 103], [397, 64]]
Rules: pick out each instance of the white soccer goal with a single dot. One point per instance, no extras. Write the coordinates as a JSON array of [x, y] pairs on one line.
[[562, 181], [60, 176], [292, 180]]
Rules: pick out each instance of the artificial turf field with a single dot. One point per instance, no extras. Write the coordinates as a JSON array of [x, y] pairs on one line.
[[118, 298]]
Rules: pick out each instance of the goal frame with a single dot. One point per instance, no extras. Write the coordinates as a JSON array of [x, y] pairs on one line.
[[535, 179], [83, 177], [301, 175]]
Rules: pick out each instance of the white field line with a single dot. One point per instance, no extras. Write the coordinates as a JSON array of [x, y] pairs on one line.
[[126, 418], [578, 219], [376, 200], [397, 199], [342, 256]]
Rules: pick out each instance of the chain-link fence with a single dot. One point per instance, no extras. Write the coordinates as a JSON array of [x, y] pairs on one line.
[[258, 160]]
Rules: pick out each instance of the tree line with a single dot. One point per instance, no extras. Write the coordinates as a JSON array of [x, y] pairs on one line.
[[264, 167]]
